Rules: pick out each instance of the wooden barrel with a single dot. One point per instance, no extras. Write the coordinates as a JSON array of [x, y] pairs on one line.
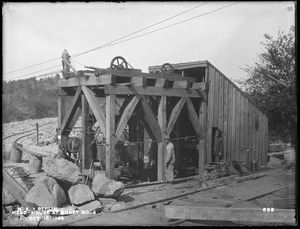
[[15, 155], [35, 164]]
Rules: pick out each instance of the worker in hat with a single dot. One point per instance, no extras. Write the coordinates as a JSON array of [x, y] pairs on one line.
[[218, 151], [169, 159]]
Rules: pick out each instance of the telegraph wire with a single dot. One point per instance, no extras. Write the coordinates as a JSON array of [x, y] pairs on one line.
[[114, 43], [110, 43], [220, 34], [107, 43]]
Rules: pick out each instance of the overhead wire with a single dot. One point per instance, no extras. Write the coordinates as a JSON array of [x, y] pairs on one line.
[[114, 43], [220, 34], [109, 43]]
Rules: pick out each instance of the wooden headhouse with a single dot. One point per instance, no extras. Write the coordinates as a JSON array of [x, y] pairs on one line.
[[186, 101]]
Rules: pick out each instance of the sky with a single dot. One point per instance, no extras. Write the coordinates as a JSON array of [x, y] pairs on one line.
[[227, 34]]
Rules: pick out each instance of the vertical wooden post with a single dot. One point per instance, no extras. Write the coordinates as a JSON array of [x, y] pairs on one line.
[[140, 138], [202, 140], [162, 116], [37, 132], [84, 125], [110, 138]]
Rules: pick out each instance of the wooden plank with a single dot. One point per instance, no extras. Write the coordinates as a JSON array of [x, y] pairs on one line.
[[221, 104], [234, 111], [150, 118], [154, 91], [211, 79], [175, 114], [169, 76], [225, 117], [201, 147], [285, 204], [237, 126], [194, 117], [162, 122], [200, 85], [230, 214], [216, 100], [110, 139], [182, 84], [126, 115], [15, 189], [85, 157], [71, 112], [92, 100], [89, 80]]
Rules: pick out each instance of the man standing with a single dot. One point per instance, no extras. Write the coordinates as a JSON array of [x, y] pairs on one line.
[[169, 159], [218, 147]]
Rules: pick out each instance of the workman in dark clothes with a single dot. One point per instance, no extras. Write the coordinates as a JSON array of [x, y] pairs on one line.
[[218, 151]]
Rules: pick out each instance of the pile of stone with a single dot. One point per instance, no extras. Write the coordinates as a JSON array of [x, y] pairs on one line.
[[61, 187]]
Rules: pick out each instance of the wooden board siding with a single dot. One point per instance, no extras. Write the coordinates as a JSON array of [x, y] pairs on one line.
[[243, 125]]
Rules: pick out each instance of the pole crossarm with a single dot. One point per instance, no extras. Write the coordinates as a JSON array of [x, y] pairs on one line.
[[92, 100], [71, 112]]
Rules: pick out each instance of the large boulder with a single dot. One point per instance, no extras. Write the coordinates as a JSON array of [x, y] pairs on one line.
[[104, 187], [111, 189], [92, 206], [274, 162], [61, 169], [98, 181], [80, 194], [46, 193]]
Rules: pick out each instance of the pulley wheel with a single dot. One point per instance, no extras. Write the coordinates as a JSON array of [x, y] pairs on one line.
[[118, 62], [167, 68]]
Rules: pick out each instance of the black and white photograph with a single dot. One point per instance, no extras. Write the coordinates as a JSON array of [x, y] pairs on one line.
[[149, 113]]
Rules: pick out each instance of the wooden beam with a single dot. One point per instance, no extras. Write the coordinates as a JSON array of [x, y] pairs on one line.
[[202, 140], [175, 114], [110, 136], [92, 100], [230, 214], [15, 189], [70, 113], [194, 118], [126, 115], [85, 157], [182, 84], [150, 118], [87, 80], [162, 121], [200, 85], [154, 91], [170, 76]]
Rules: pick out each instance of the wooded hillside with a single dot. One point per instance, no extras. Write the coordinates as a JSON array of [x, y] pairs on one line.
[[29, 99]]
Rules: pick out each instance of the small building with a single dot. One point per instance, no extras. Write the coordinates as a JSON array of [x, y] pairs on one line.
[[187, 101]]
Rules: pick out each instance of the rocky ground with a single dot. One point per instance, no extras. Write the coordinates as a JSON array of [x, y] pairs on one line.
[[282, 175]]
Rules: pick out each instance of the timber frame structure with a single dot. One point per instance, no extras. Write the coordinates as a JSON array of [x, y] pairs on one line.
[[115, 95]]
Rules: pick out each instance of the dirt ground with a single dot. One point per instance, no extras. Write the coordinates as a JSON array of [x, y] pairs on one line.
[[152, 214]]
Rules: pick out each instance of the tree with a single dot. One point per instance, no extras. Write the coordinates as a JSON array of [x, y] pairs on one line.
[[271, 82]]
